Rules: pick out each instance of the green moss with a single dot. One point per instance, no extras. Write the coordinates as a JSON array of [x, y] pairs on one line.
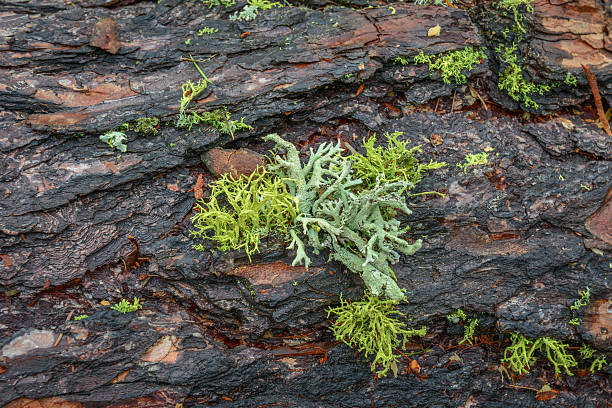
[[81, 317], [514, 6], [570, 80], [222, 3], [242, 210], [207, 30], [449, 64], [126, 307], [469, 325], [368, 326], [586, 351], [598, 364], [472, 160], [147, 126], [393, 163], [219, 119], [585, 299], [520, 355]]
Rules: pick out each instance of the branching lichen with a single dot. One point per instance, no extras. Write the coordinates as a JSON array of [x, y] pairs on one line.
[[334, 214], [368, 327]]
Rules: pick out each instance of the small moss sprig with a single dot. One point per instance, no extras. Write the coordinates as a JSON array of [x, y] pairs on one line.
[[472, 160], [368, 326], [449, 64], [520, 355], [81, 317], [147, 126], [126, 307], [585, 299], [393, 163], [469, 325], [240, 211], [514, 5]]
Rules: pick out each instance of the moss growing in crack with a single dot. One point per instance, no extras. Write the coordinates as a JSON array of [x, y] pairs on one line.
[[219, 119], [520, 355], [368, 326], [449, 64], [241, 211], [598, 364], [515, 6], [336, 215], [393, 163], [126, 307], [472, 160], [147, 126]]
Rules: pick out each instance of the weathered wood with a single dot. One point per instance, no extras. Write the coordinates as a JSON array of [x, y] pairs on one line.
[[512, 241]]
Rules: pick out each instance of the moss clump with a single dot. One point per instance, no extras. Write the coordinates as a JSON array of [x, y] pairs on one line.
[[449, 64], [147, 126], [514, 6], [472, 160], [126, 307], [393, 163], [240, 211], [368, 327], [219, 119], [520, 355]]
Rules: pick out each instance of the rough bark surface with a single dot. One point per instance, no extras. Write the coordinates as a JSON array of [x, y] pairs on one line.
[[512, 242]]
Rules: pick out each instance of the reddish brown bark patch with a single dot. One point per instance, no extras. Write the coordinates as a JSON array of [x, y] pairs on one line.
[[273, 274], [234, 162], [598, 323], [104, 35], [53, 402], [600, 223]]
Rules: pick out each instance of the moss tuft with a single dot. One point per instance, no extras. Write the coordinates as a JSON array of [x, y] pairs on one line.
[[368, 327]]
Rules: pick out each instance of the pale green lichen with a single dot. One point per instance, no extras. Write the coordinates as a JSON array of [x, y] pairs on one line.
[[116, 140], [367, 326], [333, 215], [251, 10]]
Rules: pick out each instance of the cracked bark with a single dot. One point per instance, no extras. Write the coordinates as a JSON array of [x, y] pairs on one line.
[[511, 243]]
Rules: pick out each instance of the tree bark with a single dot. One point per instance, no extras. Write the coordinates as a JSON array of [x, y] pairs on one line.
[[511, 242]]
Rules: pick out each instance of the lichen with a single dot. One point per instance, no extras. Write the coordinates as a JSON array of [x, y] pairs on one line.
[[367, 326], [334, 214], [116, 140], [395, 162]]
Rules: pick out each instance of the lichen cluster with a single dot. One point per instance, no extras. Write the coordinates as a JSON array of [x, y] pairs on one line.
[[335, 214]]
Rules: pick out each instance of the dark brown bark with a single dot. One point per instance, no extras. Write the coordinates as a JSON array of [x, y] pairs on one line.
[[512, 242]]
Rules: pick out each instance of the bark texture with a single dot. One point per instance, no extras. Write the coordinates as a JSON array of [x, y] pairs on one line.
[[512, 242]]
